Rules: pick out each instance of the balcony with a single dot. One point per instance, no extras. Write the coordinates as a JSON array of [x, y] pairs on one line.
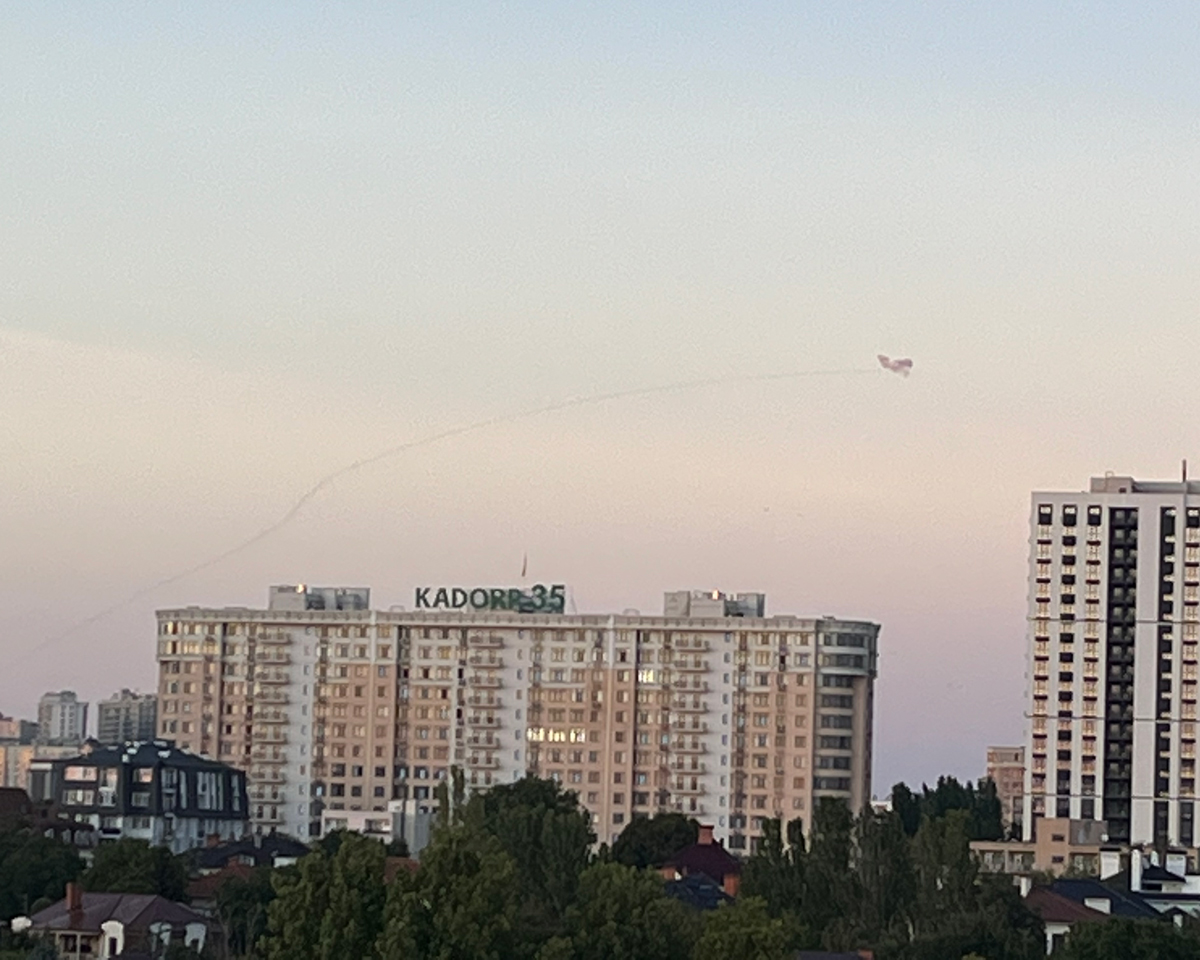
[[691, 666], [686, 706], [263, 795], [273, 637], [683, 683], [260, 775], [271, 695], [485, 660], [270, 735], [484, 763], [480, 720], [274, 655], [272, 676], [682, 746], [269, 817], [687, 790], [486, 641], [483, 740], [485, 681], [265, 755], [694, 767], [484, 700], [694, 727]]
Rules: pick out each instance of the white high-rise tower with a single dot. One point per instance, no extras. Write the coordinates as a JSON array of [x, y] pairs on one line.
[[1114, 616]]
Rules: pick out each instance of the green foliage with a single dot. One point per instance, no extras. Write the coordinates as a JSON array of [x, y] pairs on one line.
[[295, 916], [353, 920], [776, 873], [397, 847], [242, 907], [33, 868], [509, 875], [547, 835], [134, 866], [745, 930], [1124, 939], [985, 819], [462, 904], [652, 841], [622, 914]]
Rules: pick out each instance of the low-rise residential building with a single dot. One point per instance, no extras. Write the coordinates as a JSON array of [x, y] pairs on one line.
[[101, 926], [259, 850], [1059, 846], [150, 791], [409, 820], [707, 857], [126, 717]]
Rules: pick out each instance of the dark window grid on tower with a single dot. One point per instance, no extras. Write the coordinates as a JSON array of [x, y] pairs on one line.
[[1164, 672], [1120, 633]]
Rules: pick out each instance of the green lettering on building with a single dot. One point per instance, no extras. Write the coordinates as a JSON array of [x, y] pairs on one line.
[[537, 599]]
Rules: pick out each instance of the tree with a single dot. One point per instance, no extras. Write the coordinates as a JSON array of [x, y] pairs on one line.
[[295, 916], [353, 918], [134, 866], [907, 806], [33, 868], [775, 873], [1124, 939], [547, 835], [884, 873], [828, 883], [944, 867], [623, 914], [242, 907], [745, 930], [462, 903], [652, 841], [987, 815]]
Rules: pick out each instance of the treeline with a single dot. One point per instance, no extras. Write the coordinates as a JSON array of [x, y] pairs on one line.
[[980, 803], [510, 874]]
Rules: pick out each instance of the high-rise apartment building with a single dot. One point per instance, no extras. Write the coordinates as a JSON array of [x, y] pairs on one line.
[[62, 719], [726, 717], [1114, 621], [1006, 769], [126, 717]]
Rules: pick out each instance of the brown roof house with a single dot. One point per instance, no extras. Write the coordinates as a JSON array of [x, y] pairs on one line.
[[100, 926], [707, 857]]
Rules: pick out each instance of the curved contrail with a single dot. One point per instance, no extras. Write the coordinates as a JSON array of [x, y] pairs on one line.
[[478, 425]]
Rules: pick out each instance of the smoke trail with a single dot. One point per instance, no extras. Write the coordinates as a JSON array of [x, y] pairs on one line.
[[450, 433]]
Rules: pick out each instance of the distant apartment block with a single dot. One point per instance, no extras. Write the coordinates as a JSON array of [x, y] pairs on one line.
[[1006, 769], [715, 710], [62, 719], [148, 791], [126, 717], [16, 751], [1114, 658], [1059, 846]]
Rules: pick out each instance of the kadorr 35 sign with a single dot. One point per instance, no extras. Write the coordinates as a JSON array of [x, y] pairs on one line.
[[537, 599]]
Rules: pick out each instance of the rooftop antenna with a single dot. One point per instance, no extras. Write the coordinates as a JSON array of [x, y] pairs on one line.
[[1184, 467]]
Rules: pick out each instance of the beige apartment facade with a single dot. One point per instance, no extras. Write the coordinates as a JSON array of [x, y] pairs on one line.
[[1006, 769], [332, 706]]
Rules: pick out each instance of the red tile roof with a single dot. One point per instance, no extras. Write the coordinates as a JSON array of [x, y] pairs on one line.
[[1055, 908]]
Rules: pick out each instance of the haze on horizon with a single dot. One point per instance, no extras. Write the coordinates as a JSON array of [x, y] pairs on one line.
[[243, 247]]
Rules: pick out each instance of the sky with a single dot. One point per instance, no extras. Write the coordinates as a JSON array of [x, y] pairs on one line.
[[244, 245]]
